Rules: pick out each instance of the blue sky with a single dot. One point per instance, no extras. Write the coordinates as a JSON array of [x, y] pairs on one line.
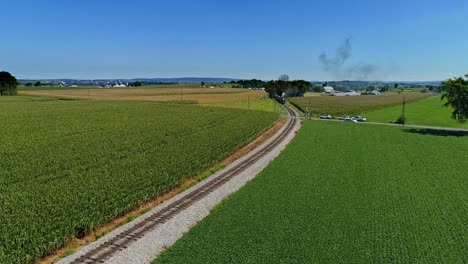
[[87, 39]]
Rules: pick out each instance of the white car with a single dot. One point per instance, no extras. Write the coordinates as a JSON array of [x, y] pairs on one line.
[[359, 119], [350, 120], [326, 117], [344, 118]]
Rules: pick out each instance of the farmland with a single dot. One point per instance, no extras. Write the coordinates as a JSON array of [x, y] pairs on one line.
[[262, 104], [351, 105], [425, 112], [344, 193], [69, 166], [171, 94]]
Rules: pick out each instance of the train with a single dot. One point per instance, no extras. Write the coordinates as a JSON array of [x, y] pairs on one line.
[[281, 99]]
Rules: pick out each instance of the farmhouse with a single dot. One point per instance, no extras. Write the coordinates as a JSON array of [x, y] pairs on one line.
[[119, 85], [328, 89]]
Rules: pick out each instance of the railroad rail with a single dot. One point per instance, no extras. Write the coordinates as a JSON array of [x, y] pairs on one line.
[[107, 249]]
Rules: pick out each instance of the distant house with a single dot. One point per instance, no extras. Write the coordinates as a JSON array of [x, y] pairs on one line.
[[375, 92], [119, 85], [328, 89]]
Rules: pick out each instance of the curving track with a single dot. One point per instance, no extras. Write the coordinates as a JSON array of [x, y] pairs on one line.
[[120, 242]]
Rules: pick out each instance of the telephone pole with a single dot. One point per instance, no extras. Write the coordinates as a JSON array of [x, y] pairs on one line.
[[404, 108]]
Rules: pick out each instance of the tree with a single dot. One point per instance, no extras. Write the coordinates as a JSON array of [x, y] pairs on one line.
[[137, 84], [384, 89], [298, 87], [271, 88], [370, 88], [202, 84], [289, 88], [317, 89], [254, 83], [284, 78], [28, 84], [38, 83], [456, 92], [8, 84]]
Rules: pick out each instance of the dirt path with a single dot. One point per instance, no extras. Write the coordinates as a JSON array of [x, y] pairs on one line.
[[398, 125]]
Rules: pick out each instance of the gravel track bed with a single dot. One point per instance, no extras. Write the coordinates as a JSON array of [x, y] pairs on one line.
[[153, 243]]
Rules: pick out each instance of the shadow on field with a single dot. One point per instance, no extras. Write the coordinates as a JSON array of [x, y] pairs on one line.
[[437, 132]]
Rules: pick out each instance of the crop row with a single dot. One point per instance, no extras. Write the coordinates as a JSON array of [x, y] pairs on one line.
[[344, 193], [67, 167]]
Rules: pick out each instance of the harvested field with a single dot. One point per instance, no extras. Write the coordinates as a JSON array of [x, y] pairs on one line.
[[174, 95]]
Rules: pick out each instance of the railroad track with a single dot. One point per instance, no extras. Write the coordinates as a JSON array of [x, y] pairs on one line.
[[107, 249]]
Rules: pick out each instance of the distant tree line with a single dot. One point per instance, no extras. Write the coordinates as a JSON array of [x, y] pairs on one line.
[[141, 83], [254, 83], [36, 84], [277, 87], [136, 84]]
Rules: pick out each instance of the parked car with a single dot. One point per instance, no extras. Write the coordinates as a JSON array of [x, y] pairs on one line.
[[350, 120], [359, 119], [325, 117], [344, 117]]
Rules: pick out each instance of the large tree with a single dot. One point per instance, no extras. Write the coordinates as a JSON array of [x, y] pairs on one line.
[[8, 84], [283, 86], [456, 92], [284, 78]]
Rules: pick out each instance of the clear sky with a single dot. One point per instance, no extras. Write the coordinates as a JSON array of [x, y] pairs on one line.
[[312, 40]]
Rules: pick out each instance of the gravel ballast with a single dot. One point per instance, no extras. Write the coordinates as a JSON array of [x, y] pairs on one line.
[[151, 245]]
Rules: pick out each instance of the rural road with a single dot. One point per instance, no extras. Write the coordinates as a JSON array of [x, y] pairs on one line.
[[145, 238], [397, 125]]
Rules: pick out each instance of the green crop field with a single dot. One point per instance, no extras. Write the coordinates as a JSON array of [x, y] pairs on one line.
[[429, 111], [351, 105], [344, 193], [314, 94], [69, 166]]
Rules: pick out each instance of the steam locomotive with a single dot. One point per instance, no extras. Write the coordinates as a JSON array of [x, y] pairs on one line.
[[281, 98]]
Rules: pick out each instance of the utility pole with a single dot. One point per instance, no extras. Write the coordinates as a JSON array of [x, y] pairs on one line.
[[274, 105], [403, 114]]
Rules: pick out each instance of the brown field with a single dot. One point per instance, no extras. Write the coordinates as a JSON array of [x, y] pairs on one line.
[[352, 105], [176, 95]]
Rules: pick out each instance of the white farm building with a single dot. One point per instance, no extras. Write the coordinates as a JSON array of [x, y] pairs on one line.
[[328, 89]]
